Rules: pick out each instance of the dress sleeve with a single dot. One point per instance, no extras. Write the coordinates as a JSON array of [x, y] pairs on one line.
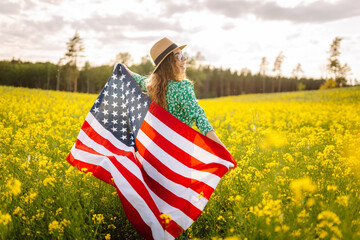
[[141, 81], [190, 104]]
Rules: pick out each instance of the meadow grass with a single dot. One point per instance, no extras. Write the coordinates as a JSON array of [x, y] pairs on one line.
[[298, 174]]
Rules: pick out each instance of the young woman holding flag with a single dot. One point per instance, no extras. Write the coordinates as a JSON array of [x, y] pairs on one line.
[[163, 170]]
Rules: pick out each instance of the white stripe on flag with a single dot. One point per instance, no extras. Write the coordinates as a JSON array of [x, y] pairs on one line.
[[174, 164], [184, 144]]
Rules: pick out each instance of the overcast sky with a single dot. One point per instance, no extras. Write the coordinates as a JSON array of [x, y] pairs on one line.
[[233, 34]]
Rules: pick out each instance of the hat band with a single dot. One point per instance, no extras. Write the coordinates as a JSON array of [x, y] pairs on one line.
[[164, 53]]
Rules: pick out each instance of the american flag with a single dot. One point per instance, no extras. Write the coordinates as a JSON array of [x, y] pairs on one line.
[[164, 171]]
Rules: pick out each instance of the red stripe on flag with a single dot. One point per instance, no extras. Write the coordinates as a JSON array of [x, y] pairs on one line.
[[173, 228], [197, 186], [96, 170], [190, 134], [82, 146], [180, 155]]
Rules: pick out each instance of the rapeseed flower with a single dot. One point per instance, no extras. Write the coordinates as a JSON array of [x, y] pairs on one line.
[[342, 200], [49, 181], [14, 186], [5, 218], [166, 218], [272, 139], [54, 227], [302, 186], [328, 225], [98, 218]]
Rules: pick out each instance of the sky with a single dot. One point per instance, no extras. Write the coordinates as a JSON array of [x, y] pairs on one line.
[[233, 34]]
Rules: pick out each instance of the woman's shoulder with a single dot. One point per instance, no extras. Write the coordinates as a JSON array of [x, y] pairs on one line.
[[185, 83], [181, 89]]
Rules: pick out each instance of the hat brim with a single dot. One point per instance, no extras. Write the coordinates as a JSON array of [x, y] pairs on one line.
[[181, 47]]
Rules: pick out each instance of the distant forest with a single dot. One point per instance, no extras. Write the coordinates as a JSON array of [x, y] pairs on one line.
[[208, 81]]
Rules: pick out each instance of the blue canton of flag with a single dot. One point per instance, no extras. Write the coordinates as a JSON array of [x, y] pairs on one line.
[[121, 107]]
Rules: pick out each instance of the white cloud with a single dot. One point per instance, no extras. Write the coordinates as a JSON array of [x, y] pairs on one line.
[[228, 33]]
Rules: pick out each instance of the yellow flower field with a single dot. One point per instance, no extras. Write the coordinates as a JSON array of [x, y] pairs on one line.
[[298, 174]]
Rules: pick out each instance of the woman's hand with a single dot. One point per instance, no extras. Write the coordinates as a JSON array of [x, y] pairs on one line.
[[212, 135], [127, 69]]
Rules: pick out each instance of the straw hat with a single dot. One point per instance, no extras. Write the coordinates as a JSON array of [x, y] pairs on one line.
[[162, 49]]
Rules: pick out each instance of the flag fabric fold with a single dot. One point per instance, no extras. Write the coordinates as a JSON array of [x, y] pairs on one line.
[[164, 171]]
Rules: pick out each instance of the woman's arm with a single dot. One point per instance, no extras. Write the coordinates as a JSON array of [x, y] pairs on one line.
[[212, 135], [192, 107], [141, 80]]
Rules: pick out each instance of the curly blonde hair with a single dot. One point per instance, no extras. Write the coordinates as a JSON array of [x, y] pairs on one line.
[[158, 80]]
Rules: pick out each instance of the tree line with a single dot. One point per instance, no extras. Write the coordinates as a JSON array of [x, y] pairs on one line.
[[209, 81]]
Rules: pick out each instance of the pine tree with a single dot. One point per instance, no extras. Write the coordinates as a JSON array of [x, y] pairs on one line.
[[263, 69], [74, 48], [277, 68], [338, 71]]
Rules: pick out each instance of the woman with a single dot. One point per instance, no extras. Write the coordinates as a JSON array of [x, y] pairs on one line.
[[169, 88]]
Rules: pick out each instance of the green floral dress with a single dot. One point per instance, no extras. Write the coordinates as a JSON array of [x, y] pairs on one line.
[[182, 103]]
